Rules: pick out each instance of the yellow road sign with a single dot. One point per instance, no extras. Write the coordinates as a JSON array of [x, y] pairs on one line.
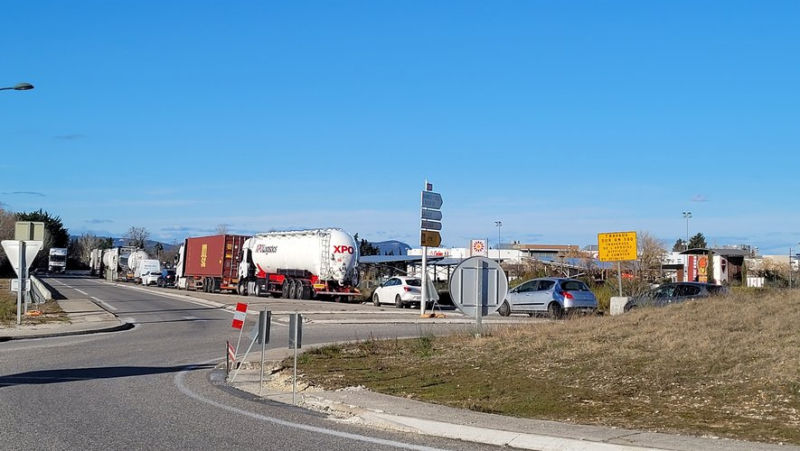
[[430, 238], [616, 246]]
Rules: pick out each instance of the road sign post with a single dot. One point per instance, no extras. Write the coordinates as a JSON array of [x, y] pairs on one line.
[[618, 247], [430, 217], [295, 337], [20, 254]]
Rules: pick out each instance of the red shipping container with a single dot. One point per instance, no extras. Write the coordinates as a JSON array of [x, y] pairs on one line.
[[213, 256]]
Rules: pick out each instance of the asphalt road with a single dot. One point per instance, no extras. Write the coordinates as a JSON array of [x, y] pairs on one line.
[[152, 387]]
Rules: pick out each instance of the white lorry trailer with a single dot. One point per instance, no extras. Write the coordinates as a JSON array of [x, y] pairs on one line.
[[300, 264]]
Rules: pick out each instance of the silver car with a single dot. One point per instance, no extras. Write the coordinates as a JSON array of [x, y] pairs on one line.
[[673, 293], [552, 295]]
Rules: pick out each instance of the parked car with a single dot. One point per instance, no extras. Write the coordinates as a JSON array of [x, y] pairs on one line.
[[673, 293], [150, 278], [402, 291], [555, 296], [167, 278]]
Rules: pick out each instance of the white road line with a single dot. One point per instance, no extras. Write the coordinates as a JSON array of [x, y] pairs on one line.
[[104, 303], [304, 427], [82, 292]]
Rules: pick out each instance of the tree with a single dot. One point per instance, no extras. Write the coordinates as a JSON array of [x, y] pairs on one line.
[[6, 233], [651, 255], [679, 246], [222, 229], [698, 241], [137, 236], [55, 233], [365, 247], [80, 249]]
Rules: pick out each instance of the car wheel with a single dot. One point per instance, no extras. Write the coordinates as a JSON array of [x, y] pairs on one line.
[[398, 302], [555, 311], [376, 300], [504, 309]]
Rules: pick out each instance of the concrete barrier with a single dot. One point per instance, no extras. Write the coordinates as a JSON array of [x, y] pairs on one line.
[[618, 304], [40, 289]]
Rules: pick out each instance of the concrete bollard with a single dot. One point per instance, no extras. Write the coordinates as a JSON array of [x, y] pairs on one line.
[[618, 304]]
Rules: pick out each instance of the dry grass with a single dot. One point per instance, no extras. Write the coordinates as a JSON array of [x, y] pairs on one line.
[[8, 308], [725, 367]]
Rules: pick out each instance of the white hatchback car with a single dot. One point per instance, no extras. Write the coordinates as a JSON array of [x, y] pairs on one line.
[[151, 278], [402, 291]]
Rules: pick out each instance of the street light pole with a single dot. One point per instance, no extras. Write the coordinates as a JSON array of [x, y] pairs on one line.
[[686, 216], [498, 224], [19, 87]]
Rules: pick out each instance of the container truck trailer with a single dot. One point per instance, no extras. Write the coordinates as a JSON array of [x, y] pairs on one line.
[[210, 263], [300, 264]]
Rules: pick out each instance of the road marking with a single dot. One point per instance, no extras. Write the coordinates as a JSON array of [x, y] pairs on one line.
[[304, 427], [82, 292], [104, 303]]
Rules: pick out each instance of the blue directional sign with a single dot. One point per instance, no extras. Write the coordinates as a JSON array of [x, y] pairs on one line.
[[433, 215], [431, 225], [431, 200]]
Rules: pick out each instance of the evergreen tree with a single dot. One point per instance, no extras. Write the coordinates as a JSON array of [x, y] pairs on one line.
[[697, 241], [679, 246]]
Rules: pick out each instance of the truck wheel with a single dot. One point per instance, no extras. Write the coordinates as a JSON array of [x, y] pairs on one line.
[[285, 289], [306, 292], [398, 302], [292, 289]]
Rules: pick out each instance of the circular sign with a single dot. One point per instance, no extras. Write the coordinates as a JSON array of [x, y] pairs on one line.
[[478, 285]]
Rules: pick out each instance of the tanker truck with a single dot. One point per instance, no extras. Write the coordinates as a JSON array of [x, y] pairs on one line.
[[96, 262], [209, 263], [300, 264]]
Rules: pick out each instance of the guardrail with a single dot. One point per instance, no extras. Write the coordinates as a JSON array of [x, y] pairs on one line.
[[39, 292]]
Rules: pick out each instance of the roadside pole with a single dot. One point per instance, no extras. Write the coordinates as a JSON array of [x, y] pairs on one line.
[[619, 276], [21, 278], [424, 280]]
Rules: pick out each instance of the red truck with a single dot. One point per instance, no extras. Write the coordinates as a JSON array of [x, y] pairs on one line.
[[210, 263]]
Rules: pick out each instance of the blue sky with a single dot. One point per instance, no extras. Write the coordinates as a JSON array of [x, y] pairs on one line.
[[561, 119]]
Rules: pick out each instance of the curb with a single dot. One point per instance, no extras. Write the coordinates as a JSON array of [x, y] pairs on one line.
[[117, 328]]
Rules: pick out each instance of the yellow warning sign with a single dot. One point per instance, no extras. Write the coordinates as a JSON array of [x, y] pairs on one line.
[[616, 246]]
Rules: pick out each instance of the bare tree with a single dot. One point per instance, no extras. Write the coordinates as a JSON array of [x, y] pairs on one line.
[[651, 252], [137, 236], [222, 229], [84, 244], [7, 221]]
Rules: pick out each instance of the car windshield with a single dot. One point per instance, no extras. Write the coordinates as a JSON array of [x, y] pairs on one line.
[[414, 282]]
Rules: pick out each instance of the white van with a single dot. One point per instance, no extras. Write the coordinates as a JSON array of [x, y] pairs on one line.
[[147, 271]]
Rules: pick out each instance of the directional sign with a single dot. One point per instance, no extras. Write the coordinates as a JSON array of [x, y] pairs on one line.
[[431, 200], [434, 215], [430, 238], [616, 246], [432, 225]]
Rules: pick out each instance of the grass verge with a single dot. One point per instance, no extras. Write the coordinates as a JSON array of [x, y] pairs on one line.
[[727, 367], [50, 311]]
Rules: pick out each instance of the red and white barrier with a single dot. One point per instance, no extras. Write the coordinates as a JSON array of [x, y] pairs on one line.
[[239, 316]]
